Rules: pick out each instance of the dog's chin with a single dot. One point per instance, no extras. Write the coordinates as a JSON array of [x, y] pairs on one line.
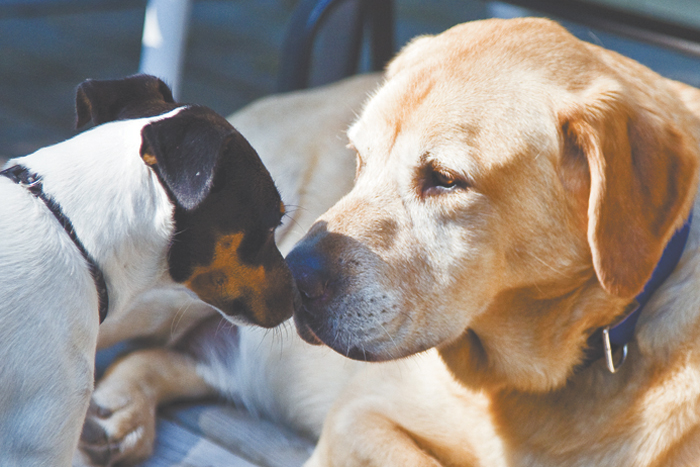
[[355, 353], [238, 320], [239, 313], [234, 315], [312, 332]]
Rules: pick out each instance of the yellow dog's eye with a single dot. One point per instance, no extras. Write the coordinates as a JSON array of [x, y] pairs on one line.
[[443, 180], [437, 181]]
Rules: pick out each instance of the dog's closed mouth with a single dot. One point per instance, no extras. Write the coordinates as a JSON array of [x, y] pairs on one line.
[[237, 307], [359, 353], [315, 332], [240, 311], [305, 331]]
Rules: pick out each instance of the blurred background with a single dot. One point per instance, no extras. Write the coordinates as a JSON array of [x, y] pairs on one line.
[[233, 48]]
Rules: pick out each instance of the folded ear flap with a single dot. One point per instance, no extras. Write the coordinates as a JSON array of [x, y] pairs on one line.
[[643, 176], [102, 101], [186, 149]]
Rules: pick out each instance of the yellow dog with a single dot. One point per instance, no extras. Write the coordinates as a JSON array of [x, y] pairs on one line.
[[515, 190]]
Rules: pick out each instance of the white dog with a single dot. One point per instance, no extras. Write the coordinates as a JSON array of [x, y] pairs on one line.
[[174, 203]]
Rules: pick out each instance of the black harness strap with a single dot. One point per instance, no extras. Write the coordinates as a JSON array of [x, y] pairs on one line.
[[32, 182]]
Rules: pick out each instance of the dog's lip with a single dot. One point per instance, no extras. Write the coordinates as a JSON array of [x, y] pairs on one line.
[[237, 319], [310, 329], [239, 313], [305, 331], [360, 354]]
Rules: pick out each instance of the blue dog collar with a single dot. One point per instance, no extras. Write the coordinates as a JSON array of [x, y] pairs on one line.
[[621, 334]]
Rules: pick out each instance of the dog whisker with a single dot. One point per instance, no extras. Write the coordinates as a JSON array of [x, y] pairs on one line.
[[289, 215], [179, 315], [220, 325], [280, 335], [596, 39], [379, 323]]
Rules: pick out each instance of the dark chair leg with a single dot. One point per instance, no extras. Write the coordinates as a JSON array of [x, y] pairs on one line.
[[381, 23], [357, 17]]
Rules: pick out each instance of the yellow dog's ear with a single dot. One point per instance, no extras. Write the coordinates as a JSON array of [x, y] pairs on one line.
[[642, 158]]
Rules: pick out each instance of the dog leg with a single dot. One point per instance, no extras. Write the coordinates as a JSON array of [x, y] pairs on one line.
[[355, 439], [383, 418], [40, 419], [120, 424]]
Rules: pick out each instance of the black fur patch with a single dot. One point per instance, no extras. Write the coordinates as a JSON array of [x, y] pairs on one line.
[[242, 198], [187, 148], [137, 96]]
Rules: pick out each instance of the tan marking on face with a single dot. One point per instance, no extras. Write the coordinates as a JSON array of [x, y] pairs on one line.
[[226, 278], [149, 159]]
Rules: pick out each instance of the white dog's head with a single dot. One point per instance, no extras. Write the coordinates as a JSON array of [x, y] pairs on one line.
[[515, 188], [225, 204]]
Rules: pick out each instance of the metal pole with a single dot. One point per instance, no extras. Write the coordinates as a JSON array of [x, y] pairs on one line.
[[164, 39]]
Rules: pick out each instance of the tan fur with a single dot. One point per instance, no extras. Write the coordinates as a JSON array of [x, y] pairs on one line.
[[578, 165], [227, 277], [575, 166], [141, 381]]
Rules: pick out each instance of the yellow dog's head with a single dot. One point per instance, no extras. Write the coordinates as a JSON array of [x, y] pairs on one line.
[[515, 189]]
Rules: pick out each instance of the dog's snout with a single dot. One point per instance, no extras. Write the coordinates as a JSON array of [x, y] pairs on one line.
[[310, 272]]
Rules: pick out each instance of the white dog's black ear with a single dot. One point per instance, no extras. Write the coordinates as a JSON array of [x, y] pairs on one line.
[[185, 150], [137, 96]]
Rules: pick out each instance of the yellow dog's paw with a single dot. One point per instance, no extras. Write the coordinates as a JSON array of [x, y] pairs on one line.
[[118, 430]]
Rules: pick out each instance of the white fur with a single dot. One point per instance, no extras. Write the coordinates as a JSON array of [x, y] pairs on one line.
[[48, 300], [285, 392]]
